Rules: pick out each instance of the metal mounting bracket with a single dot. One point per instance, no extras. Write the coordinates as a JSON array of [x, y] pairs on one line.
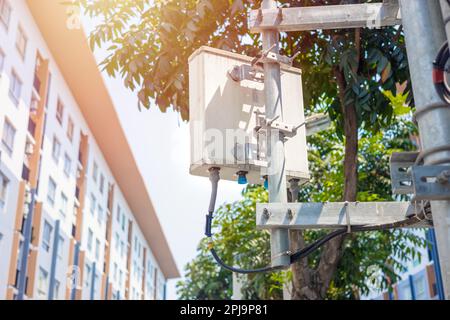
[[400, 168], [247, 72], [335, 215], [431, 182], [267, 56], [422, 181], [371, 15], [288, 130]]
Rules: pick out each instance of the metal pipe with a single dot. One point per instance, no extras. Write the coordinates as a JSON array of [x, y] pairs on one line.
[[51, 291], [93, 277], [22, 279], [275, 143], [424, 32], [434, 256], [75, 274]]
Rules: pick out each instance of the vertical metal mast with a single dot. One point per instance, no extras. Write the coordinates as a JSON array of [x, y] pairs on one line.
[[275, 143], [424, 31]]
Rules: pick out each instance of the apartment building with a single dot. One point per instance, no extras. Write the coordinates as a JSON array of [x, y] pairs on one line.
[[76, 220], [422, 279]]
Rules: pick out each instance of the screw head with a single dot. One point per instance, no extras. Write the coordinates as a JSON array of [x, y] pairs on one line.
[[290, 214]]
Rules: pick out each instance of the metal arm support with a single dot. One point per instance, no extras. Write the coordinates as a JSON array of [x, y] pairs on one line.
[[299, 216], [371, 15]]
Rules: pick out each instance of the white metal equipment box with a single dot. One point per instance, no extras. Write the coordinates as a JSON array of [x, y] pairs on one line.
[[224, 114]]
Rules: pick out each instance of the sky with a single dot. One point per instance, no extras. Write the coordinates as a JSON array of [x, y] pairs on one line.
[[161, 145]]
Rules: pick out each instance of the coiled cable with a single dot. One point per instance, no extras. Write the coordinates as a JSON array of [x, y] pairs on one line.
[[305, 252]]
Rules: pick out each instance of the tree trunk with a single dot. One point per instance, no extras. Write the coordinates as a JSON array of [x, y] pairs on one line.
[[308, 284]]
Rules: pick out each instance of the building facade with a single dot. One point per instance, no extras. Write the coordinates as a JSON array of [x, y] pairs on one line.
[[76, 220], [422, 279]]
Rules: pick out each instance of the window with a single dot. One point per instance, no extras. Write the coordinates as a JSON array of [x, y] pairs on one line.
[[21, 42], [60, 112], [95, 172], [5, 13], [4, 182], [8, 136], [67, 165], [88, 276], [70, 129], [102, 183], [122, 249], [90, 239], [43, 284], [34, 103], [93, 204], [51, 192], [60, 248], [56, 289], [150, 288], [56, 149], [115, 271], [97, 249], [47, 235], [96, 282], [2, 59], [99, 214], [123, 222], [420, 287], [15, 88], [63, 204], [118, 214], [161, 288], [117, 241], [404, 290]]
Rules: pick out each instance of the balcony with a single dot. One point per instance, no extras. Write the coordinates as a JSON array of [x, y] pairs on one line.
[[77, 193], [25, 173], [74, 230], [31, 127], [37, 83], [107, 234]]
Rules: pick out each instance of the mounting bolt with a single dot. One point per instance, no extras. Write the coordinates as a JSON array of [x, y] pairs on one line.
[[266, 213], [443, 177], [290, 214], [235, 73]]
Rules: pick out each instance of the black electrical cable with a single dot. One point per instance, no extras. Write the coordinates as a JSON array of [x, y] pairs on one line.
[[214, 177], [400, 224], [303, 253], [242, 271]]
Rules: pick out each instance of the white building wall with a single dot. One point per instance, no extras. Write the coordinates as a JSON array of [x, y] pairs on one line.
[[17, 115], [11, 166]]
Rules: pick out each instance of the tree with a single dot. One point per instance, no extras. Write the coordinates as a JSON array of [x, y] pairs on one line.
[[365, 256], [347, 73]]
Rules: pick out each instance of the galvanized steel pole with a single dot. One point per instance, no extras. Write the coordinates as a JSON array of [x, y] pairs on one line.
[[275, 143], [424, 31]]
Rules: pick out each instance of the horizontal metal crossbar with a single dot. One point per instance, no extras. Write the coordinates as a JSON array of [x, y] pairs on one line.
[[333, 215], [371, 15]]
